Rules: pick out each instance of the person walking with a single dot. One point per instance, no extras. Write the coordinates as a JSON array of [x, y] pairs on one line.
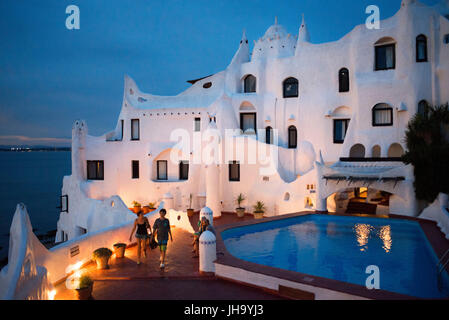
[[142, 225], [161, 229]]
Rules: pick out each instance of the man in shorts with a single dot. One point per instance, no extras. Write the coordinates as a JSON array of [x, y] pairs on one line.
[[161, 229]]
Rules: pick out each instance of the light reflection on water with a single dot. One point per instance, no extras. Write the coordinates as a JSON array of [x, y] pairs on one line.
[[363, 232]]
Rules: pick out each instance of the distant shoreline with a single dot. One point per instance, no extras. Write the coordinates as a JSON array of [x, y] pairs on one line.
[[46, 149]]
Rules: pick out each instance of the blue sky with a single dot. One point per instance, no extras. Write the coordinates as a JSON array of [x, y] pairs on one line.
[[50, 76]]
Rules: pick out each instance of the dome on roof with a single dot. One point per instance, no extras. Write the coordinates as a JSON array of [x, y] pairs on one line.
[[276, 31], [276, 43]]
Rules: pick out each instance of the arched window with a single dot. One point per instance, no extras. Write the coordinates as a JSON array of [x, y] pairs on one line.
[[382, 115], [290, 86], [395, 151], [375, 151], [249, 84], [357, 151], [343, 80], [421, 48], [269, 135], [423, 107], [385, 54], [292, 137]]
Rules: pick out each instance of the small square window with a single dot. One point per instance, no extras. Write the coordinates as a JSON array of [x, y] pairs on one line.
[[95, 170], [340, 129], [184, 170], [135, 169], [162, 170]]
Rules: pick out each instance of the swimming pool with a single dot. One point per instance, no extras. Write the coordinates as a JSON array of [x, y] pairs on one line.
[[341, 248]]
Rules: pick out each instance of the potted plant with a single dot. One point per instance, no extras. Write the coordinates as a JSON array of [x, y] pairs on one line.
[[137, 206], [152, 206], [259, 210], [85, 286], [240, 211], [101, 256], [119, 250], [190, 210]]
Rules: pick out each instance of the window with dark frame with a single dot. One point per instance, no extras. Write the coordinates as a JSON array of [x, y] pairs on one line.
[[64, 203], [385, 57], [249, 84], [135, 169], [135, 129], [248, 121], [234, 171], [162, 170], [95, 170], [421, 48], [292, 137], [290, 88], [446, 38], [382, 115], [184, 170], [343, 80], [197, 124], [423, 107], [269, 135], [340, 129]]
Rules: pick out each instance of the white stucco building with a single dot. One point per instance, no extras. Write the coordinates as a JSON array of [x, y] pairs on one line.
[[330, 119]]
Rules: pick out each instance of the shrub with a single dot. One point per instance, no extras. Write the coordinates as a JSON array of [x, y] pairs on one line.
[[427, 140], [102, 252], [119, 245], [259, 207], [152, 205], [240, 199], [85, 281]]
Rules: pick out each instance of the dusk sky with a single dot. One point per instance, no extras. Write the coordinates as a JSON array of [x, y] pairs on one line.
[[51, 76]]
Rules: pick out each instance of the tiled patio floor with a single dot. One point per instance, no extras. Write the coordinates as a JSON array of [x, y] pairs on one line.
[[127, 280]]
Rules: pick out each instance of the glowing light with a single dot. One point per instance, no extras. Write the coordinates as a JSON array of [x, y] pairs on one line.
[[73, 267], [385, 236], [51, 294]]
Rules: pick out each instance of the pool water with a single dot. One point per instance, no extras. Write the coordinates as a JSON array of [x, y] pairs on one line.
[[341, 248]]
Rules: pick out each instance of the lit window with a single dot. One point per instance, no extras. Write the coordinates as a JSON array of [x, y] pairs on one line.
[[290, 88], [382, 115]]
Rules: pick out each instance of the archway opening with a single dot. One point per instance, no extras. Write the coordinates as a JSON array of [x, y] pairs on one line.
[[359, 200], [357, 151]]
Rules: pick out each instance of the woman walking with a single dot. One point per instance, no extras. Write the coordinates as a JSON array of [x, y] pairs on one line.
[[142, 225]]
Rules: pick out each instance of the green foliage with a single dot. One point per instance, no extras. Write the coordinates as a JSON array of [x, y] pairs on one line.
[[136, 204], [102, 252], [85, 281], [119, 245], [240, 199], [259, 207], [427, 139], [152, 205]]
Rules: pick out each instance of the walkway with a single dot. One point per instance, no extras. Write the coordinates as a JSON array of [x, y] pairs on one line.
[[179, 280]]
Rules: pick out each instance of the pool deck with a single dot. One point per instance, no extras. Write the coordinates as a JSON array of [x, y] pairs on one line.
[[436, 238], [125, 280]]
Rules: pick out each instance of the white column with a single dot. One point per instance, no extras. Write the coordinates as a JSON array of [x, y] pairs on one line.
[[208, 252]]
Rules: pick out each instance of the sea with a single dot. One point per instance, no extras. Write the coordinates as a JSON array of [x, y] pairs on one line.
[[33, 178]]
